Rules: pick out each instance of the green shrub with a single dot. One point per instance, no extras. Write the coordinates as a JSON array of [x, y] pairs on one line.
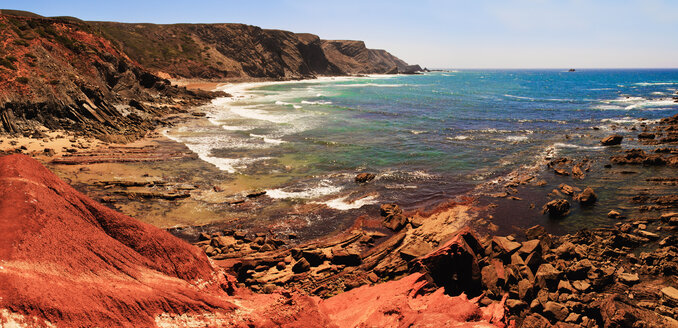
[[54, 82], [30, 55], [22, 79], [20, 42], [11, 58]]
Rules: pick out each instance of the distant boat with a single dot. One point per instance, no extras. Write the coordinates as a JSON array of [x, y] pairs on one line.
[[571, 70]]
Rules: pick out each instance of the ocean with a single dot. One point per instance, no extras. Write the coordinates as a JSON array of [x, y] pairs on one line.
[[428, 138]]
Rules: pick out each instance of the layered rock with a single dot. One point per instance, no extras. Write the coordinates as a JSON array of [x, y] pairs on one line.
[[62, 74], [354, 57], [67, 261]]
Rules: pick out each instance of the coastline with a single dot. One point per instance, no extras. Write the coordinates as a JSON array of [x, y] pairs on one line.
[[371, 254]]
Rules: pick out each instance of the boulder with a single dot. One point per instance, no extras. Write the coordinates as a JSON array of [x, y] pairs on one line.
[[504, 245], [301, 265], [613, 214], [557, 208], [394, 218], [670, 296], [348, 257], [525, 289], [612, 140], [535, 232], [547, 276], [587, 197], [364, 177]]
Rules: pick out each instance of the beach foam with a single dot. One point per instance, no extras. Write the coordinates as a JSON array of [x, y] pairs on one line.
[[343, 205]]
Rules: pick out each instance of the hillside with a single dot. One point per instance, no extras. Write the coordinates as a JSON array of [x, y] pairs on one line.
[[218, 51], [63, 74]]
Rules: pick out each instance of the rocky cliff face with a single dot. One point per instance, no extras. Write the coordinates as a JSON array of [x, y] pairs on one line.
[[217, 51], [63, 74], [355, 57]]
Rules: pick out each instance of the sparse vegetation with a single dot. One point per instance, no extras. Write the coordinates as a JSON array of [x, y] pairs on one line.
[[22, 79], [7, 63], [20, 42]]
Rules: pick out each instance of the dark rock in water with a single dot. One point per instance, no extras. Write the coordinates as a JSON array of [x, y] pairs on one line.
[[646, 135], [612, 140], [638, 156], [364, 177], [256, 193], [614, 215], [535, 232], [557, 208], [587, 197]]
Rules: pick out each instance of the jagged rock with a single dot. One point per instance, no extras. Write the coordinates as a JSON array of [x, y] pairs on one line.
[[573, 318], [556, 311], [547, 276], [525, 289], [393, 217], [535, 320], [612, 140], [505, 245], [535, 232], [565, 286], [566, 250], [557, 208], [587, 197], [222, 241], [415, 250], [364, 177]]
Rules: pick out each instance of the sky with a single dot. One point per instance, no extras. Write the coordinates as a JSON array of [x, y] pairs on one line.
[[435, 33]]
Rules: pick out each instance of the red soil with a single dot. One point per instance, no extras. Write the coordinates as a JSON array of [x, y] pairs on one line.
[[71, 262]]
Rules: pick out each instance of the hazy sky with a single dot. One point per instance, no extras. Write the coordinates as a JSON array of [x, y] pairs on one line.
[[435, 33]]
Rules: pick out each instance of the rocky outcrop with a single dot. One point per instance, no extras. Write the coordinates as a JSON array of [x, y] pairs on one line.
[[62, 74], [67, 261], [355, 58]]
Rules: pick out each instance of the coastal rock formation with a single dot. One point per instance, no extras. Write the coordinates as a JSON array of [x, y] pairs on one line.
[[354, 57], [61, 73], [68, 261]]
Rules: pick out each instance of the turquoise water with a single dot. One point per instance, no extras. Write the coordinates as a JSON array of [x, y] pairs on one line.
[[427, 137]]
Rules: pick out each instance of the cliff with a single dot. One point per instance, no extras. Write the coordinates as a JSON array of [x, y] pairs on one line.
[[67, 261], [355, 57], [219, 51], [63, 74]]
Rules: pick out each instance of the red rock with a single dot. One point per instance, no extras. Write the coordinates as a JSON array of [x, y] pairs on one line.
[[68, 261]]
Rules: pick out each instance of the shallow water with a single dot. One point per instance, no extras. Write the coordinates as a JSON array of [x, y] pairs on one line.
[[427, 137]]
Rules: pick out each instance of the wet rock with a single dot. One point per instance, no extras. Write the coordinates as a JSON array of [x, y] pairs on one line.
[[566, 189], [638, 156], [646, 135], [364, 177], [557, 208], [587, 197], [535, 232], [612, 140], [394, 218], [648, 235], [614, 214]]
